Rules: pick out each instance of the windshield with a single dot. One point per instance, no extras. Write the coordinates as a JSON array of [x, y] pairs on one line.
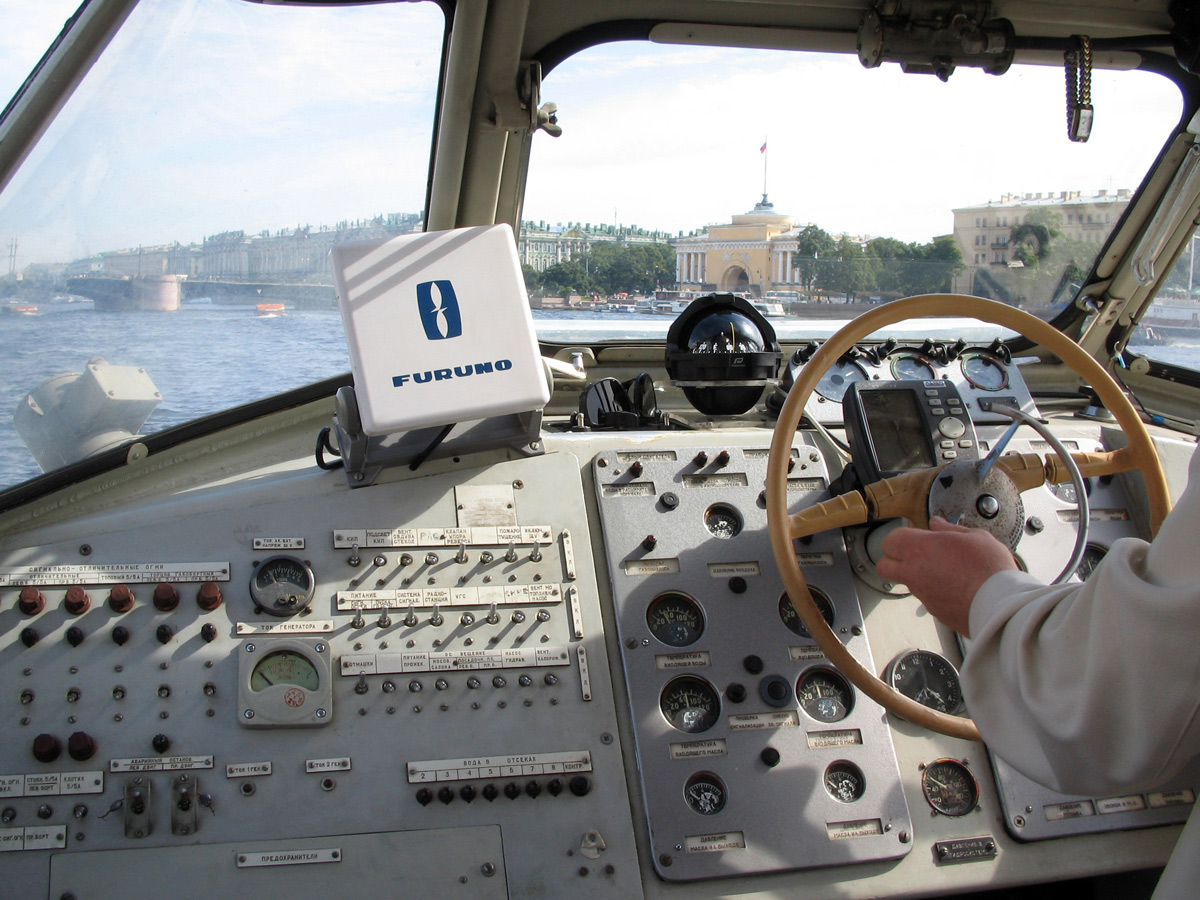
[[167, 241]]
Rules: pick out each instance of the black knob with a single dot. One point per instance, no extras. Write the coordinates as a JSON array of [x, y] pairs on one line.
[[700, 459], [445, 795], [209, 632], [164, 633], [580, 785], [735, 693], [636, 470], [120, 634], [737, 584], [511, 791], [81, 746], [161, 743], [29, 636], [770, 756], [489, 792], [75, 635], [533, 789], [722, 459], [753, 664], [555, 787], [424, 796], [46, 748], [467, 793]]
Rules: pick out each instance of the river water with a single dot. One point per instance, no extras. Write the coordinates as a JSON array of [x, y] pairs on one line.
[[204, 359]]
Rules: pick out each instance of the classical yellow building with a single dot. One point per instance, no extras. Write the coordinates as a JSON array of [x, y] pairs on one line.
[[753, 253]]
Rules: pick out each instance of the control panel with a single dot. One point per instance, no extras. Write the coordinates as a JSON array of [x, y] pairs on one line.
[[299, 687], [755, 754]]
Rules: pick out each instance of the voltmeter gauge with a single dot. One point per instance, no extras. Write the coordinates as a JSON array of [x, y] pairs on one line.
[[690, 704], [985, 371], [282, 585], [675, 619], [844, 781], [1092, 555], [722, 521], [285, 683], [843, 373], [705, 793], [911, 367], [928, 678], [792, 619], [949, 787], [825, 695]]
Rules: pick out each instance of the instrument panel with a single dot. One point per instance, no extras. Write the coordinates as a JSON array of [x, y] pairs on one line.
[[573, 673]]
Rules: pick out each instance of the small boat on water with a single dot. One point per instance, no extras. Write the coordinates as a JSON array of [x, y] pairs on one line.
[[24, 309], [270, 310]]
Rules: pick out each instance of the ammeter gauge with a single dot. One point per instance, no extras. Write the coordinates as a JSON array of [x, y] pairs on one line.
[[824, 695], [843, 373], [675, 619], [791, 618], [705, 793], [285, 683], [949, 787], [928, 678], [282, 585], [690, 704]]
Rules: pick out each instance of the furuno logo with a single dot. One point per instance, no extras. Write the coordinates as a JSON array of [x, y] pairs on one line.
[[439, 310]]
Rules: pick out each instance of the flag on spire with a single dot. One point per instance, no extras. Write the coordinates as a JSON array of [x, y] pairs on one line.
[[763, 148]]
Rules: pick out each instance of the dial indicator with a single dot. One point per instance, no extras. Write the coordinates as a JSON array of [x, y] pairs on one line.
[[825, 695], [949, 787], [928, 678], [911, 367], [844, 781], [284, 667], [792, 619], [675, 619], [985, 371], [690, 704], [1092, 555], [282, 585], [705, 793], [843, 373], [722, 521]]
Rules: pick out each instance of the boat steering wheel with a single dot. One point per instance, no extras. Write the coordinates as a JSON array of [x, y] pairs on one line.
[[908, 496]]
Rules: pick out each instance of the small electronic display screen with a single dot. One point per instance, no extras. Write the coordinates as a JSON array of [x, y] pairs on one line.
[[898, 431]]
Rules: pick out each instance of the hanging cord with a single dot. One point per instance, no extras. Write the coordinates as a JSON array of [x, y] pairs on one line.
[[1078, 65], [324, 444]]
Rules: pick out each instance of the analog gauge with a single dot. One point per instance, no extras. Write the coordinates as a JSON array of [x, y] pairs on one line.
[[282, 585], [844, 781], [928, 678], [722, 521], [690, 704], [843, 373], [1092, 554], [675, 619], [705, 793], [911, 368], [285, 667], [1065, 490], [949, 787], [792, 619], [824, 695], [985, 372]]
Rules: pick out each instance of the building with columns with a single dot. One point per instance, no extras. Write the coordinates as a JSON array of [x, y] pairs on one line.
[[751, 254]]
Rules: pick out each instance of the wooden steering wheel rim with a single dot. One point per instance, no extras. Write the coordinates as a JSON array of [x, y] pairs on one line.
[[1140, 455]]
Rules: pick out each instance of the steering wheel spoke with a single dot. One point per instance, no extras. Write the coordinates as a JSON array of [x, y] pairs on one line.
[[837, 512], [1093, 465]]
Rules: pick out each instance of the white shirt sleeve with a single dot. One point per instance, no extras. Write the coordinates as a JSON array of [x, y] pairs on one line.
[[1093, 688]]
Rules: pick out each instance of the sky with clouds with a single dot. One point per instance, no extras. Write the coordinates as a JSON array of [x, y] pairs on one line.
[[214, 115]]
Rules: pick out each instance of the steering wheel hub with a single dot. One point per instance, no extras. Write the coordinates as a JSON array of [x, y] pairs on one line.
[[994, 504]]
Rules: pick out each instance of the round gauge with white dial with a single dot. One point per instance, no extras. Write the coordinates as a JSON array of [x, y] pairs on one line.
[[911, 367], [985, 371], [843, 373]]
